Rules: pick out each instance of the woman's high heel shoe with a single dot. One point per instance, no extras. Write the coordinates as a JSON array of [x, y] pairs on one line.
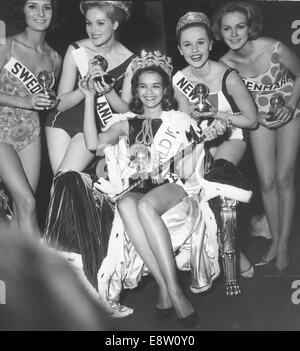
[[248, 273], [163, 313], [190, 321]]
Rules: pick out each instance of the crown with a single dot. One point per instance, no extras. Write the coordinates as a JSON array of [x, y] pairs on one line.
[[192, 17], [155, 58], [124, 5]]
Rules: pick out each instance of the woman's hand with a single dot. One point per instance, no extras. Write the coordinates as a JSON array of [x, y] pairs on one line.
[[38, 101], [99, 84], [284, 113], [263, 120], [85, 87]]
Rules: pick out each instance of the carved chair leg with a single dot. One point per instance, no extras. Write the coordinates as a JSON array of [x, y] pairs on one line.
[[226, 236]]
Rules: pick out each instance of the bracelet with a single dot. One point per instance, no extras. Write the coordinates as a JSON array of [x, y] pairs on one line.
[[228, 122]]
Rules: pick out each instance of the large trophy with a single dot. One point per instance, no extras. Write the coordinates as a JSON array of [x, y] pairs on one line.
[[276, 101], [99, 60], [45, 79], [202, 91]]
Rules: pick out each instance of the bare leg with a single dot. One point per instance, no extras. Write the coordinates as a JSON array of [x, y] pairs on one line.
[[14, 177], [287, 150], [31, 161], [150, 209], [77, 156], [128, 212], [57, 142], [264, 152]]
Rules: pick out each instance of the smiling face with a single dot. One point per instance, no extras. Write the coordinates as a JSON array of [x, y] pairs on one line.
[[38, 14], [99, 27], [234, 30], [150, 89], [194, 45]]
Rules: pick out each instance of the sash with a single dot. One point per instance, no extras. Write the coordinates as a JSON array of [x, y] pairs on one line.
[[24, 75], [102, 106], [254, 87], [184, 86]]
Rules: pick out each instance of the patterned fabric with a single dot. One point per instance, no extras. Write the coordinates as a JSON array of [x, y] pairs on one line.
[[18, 127], [273, 75]]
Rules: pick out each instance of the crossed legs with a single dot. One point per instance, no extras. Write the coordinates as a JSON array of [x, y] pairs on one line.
[[141, 215]]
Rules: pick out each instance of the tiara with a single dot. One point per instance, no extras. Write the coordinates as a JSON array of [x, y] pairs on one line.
[[124, 5], [192, 17], [155, 58]]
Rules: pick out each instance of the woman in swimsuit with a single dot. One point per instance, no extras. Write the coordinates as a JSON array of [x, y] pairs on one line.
[[21, 59], [228, 93], [64, 127], [265, 64]]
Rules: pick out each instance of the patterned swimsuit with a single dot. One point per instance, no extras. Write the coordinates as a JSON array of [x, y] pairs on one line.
[[18, 127], [275, 80]]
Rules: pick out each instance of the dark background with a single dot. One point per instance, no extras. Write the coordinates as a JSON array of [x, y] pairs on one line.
[[152, 26]]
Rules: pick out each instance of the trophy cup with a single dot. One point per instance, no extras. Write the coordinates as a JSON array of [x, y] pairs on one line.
[[277, 100], [140, 156], [45, 79], [99, 60], [202, 91]]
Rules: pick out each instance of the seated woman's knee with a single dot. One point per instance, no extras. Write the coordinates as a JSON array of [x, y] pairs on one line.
[[126, 205], [146, 205]]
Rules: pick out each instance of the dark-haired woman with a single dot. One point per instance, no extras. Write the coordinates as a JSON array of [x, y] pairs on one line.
[[266, 64], [21, 97], [64, 126], [147, 127]]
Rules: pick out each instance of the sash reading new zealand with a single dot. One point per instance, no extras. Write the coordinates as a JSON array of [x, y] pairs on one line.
[[24, 75], [102, 106], [253, 86], [184, 86]]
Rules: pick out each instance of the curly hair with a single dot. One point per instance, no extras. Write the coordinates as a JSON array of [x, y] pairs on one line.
[[251, 11], [168, 101], [15, 14], [114, 13]]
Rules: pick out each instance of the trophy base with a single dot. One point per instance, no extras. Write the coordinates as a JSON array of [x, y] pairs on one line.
[[106, 78], [271, 117]]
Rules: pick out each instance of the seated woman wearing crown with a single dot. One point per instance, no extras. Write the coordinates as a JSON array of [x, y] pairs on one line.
[[155, 132], [209, 90]]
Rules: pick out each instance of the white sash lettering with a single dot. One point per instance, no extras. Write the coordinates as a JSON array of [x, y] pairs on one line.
[[23, 74], [253, 86], [102, 106]]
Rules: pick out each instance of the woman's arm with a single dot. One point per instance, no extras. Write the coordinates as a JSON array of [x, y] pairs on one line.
[[118, 103], [66, 93], [247, 118], [292, 63]]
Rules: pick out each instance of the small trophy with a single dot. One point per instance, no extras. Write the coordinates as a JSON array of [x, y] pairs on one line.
[[99, 60], [45, 79], [202, 91], [140, 156], [276, 101]]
